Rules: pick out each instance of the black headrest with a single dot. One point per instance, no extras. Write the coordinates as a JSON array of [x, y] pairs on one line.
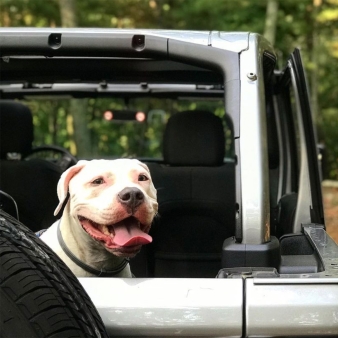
[[194, 138], [16, 128]]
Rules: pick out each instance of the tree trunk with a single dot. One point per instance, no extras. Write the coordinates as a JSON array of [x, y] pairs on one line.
[[314, 62], [77, 123], [271, 21], [68, 13], [77, 109]]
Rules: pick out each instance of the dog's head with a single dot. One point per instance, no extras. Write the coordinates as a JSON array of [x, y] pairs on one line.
[[114, 202]]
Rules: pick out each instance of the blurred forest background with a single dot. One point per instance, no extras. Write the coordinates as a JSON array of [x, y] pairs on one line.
[[311, 25]]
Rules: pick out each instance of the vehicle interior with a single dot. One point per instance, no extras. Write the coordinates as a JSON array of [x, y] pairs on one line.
[[173, 115]]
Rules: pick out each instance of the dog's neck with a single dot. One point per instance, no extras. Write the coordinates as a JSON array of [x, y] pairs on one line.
[[83, 247]]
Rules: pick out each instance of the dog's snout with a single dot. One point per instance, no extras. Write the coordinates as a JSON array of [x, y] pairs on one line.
[[131, 197]]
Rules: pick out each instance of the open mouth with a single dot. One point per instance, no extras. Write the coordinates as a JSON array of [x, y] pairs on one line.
[[126, 233]]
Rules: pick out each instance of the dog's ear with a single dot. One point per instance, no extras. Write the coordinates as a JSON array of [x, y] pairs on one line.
[[62, 188]]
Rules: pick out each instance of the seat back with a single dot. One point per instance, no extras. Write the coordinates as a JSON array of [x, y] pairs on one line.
[[16, 126], [31, 183], [196, 196]]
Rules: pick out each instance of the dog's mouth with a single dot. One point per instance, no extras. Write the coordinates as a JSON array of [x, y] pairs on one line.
[[126, 233]]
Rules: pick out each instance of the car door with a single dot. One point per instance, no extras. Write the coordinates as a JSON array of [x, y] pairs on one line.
[[299, 188], [309, 150]]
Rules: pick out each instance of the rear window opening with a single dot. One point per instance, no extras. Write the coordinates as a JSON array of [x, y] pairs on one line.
[[114, 127]]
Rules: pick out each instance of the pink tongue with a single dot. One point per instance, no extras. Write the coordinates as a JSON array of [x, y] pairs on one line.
[[128, 233]]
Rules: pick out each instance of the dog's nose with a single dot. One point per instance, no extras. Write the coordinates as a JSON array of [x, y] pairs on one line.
[[131, 198]]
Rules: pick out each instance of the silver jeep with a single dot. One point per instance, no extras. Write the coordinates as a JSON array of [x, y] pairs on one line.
[[240, 247]]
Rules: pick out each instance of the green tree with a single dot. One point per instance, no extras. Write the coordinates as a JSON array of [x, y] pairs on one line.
[[271, 21]]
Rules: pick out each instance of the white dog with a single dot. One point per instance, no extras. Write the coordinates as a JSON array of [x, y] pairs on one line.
[[107, 217]]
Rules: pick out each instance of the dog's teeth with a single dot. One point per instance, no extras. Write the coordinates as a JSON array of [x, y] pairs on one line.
[[104, 229]]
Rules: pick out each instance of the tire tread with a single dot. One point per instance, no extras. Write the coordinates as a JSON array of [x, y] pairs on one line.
[[43, 291]]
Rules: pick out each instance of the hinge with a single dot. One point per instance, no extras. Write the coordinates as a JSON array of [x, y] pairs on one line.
[[245, 272]]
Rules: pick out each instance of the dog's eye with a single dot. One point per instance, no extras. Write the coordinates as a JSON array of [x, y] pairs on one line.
[[98, 181], [142, 177]]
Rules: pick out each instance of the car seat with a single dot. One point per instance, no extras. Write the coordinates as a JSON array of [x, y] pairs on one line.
[[31, 183], [196, 196]]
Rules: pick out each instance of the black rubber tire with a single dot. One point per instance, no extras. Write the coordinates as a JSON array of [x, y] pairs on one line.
[[39, 295]]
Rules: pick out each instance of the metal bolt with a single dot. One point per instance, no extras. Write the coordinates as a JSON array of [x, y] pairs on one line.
[[252, 76]]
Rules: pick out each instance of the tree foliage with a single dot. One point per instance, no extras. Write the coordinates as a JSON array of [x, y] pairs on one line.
[[308, 24]]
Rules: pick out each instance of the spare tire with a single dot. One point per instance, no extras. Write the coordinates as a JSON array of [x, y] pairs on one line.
[[39, 295]]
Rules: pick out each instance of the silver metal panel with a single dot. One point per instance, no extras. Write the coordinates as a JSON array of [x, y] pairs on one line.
[[326, 248], [168, 307], [292, 307], [304, 201], [253, 145], [233, 41]]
